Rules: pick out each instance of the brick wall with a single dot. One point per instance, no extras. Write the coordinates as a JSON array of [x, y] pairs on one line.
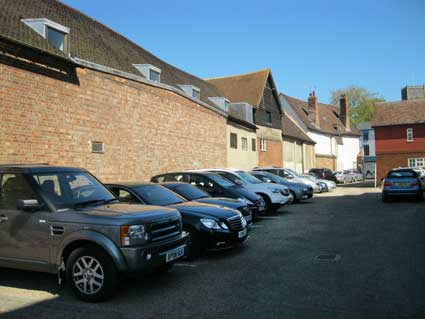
[[386, 162], [273, 155], [146, 130]]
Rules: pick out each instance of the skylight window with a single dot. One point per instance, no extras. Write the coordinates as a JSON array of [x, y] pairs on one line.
[[191, 90], [149, 71], [221, 102], [56, 34]]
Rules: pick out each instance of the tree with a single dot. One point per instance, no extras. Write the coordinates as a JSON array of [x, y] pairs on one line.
[[361, 100]]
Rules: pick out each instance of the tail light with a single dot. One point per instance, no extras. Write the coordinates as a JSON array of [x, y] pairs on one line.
[[415, 184], [388, 184]]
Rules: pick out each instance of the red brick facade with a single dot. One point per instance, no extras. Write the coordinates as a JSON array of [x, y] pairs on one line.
[[273, 156], [393, 150], [146, 130]]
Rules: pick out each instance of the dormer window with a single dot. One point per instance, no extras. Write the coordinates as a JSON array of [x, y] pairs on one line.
[[191, 90], [56, 34], [149, 71], [221, 102]]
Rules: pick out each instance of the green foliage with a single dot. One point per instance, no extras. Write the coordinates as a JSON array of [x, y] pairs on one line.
[[361, 100]]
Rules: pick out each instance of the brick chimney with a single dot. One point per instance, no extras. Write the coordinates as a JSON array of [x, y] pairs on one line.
[[313, 107], [344, 114]]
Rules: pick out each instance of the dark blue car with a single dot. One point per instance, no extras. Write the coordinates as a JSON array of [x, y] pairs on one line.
[[402, 183]]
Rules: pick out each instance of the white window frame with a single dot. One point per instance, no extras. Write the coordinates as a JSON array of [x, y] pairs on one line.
[[244, 143], [194, 91], [263, 145], [409, 135], [416, 162]]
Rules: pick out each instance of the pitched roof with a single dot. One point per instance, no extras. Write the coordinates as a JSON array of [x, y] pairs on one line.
[[329, 117], [400, 112], [247, 87], [292, 130], [91, 41]]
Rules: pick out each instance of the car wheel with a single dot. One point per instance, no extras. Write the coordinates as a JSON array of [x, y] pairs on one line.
[[194, 245], [91, 273], [295, 197], [269, 206]]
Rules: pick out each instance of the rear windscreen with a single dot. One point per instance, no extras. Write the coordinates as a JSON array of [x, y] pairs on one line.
[[402, 174]]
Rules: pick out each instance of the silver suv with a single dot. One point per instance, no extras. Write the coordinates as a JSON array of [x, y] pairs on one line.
[[63, 220]]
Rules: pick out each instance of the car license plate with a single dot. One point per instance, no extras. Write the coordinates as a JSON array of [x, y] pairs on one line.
[[174, 254], [242, 233], [402, 184]]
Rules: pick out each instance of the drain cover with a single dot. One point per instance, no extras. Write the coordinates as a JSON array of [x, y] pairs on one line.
[[328, 257]]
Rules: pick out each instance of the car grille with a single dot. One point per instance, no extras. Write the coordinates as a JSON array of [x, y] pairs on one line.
[[165, 230], [236, 222]]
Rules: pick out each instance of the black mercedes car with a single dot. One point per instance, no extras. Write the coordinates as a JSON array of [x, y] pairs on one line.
[[216, 186], [193, 193], [211, 227]]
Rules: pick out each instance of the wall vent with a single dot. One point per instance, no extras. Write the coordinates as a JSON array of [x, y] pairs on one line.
[[97, 147]]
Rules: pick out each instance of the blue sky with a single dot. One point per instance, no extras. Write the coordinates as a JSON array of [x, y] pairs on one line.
[[314, 44]]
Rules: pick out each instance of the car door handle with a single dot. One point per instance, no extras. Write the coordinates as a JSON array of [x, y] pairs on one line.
[[3, 218]]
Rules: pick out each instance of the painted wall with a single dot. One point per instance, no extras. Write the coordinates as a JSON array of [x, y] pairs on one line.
[[392, 139], [238, 158], [309, 157], [347, 153], [293, 155], [324, 143]]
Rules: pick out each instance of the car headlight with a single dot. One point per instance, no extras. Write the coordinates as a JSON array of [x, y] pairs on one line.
[[133, 233], [212, 224], [245, 201]]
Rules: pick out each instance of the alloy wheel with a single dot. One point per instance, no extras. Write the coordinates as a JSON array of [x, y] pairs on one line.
[[88, 275]]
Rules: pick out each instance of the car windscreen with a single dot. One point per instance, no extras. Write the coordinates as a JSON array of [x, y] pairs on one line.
[[248, 177], [189, 191], [72, 189], [293, 172], [221, 180], [402, 174], [157, 195]]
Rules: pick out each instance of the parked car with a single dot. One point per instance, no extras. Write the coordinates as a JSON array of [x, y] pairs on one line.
[[211, 227], [192, 193], [216, 186], [299, 191], [62, 220], [326, 185], [275, 196], [323, 173], [402, 182], [344, 176], [291, 175], [356, 175]]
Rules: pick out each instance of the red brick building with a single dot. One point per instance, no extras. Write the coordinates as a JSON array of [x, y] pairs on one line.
[[74, 92], [399, 135]]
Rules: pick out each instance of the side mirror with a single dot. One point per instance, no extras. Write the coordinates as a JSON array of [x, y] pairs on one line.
[[28, 205], [290, 177]]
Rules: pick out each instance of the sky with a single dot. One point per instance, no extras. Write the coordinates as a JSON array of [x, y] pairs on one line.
[[319, 45]]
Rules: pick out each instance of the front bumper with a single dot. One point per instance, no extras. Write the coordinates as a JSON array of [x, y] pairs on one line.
[[301, 194], [279, 199], [214, 240], [153, 256], [258, 210]]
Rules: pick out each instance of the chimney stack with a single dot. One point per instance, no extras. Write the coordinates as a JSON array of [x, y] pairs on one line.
[[313, 107], [344, 106]]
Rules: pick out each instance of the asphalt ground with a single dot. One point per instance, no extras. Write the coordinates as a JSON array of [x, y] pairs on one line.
[[343, 254]]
